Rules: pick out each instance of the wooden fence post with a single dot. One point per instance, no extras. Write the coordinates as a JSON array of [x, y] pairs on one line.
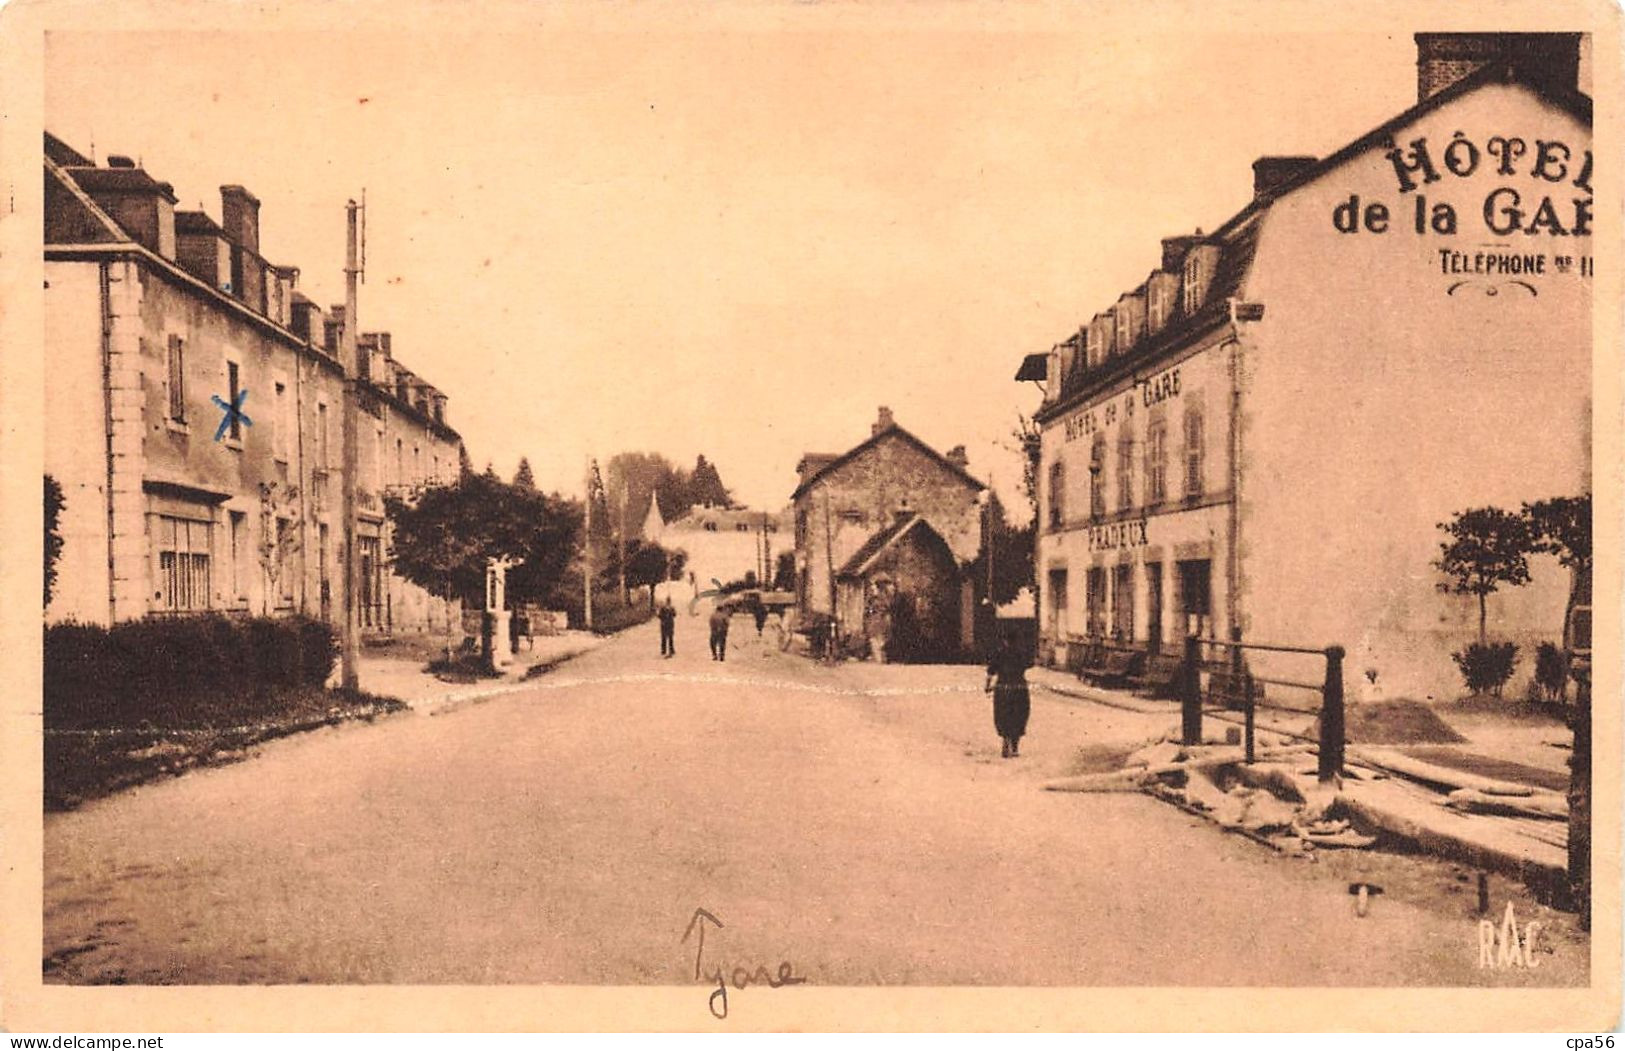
[[1331, 716], [1190, 692]]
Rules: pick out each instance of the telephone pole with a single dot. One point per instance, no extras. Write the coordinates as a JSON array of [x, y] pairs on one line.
[[586, 550], [350, 641]]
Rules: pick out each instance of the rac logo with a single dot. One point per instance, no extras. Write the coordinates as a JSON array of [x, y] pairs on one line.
[[1503, 947]]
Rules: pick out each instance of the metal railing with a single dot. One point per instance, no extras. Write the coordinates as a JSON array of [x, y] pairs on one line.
[[1331, 737]]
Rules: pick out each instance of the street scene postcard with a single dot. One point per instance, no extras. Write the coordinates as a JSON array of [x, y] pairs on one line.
[[811, 516]]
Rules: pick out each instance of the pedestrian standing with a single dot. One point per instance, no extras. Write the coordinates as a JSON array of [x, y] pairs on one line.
[[1007, 681], [668, 628], [719, 634], [759, 611]]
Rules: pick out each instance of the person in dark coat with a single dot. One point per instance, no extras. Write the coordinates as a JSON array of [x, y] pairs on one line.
[[719, 634], [759, 611], [668, 628], [1007, 681]]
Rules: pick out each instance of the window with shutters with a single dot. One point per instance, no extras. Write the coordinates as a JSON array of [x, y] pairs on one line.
[[1057, 494], [1193, 452], [175, 369], [1125, 471], [1156, 463], [1097, 476]]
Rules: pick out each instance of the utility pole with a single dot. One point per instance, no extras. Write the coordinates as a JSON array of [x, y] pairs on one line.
[[586, 551], [620, 542], [350, 641]]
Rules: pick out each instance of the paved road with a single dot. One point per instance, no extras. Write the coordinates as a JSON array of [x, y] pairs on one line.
[[856, 822]]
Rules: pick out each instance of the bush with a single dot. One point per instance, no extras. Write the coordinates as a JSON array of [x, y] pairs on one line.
[[1551, 672], [610, 617], [177, 671], [1487, 667]]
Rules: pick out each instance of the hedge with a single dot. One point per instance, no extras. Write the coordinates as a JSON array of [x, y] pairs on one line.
[[182, 671]]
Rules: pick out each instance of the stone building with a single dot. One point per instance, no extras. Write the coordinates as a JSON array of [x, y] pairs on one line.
[[156, 320], [1266, 431], [890, 526]]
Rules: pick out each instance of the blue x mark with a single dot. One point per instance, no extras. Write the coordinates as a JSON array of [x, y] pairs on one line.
[[234, 411]]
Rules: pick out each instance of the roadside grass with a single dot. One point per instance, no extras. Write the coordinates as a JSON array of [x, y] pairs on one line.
[[88, 761]]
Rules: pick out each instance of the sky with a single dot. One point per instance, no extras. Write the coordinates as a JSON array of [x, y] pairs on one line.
[[736, 243]]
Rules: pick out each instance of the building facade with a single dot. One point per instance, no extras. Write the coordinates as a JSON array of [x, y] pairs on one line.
[[1265, 434], [723, 544], [159, 322], [890, 524]]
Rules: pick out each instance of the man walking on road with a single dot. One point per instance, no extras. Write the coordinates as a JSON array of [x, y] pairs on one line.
[[668, 628], [719, 634]]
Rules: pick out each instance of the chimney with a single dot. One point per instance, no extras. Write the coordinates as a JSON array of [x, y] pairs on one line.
[[957, 457], [118, 160], [240, 216], [1272, 172], [883, 421], [1444, 58]]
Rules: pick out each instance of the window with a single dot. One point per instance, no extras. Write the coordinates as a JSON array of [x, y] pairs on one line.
[[176, 370], [417, 465], [234, 389], [183, 564], [1193, 452], [1097, 476], [321, 436], [400, 461], [1097, 349], [239, 557], [1193, 281], [1057, 494], [283, 422], [1095, 602], [1123, 601], [1158, 301], [284, 541], [1156, 463], [372, 581], [1125, 471], [741, 527], [1125, 328], [378, 458]]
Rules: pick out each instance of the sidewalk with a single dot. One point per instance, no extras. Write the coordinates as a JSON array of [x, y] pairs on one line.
[[1408, 803], [406, 680]]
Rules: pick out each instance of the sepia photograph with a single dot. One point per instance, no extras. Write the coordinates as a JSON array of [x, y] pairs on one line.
[[702, 506]]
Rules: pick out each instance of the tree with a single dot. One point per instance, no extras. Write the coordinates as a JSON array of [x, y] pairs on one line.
[[465, 466], [1011, 549], [648, 564], [784, 571], [705, 485], [54, 503], [443, 538], [1488, 547], [523, 478], [632, 476], [1028, 443], [1561, 526]]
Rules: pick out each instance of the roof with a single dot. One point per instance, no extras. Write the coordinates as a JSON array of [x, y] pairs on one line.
[[197, 223], [71, 217], [696, 517], [120, 180], [63, 154], [874, 439], [1237, 237], [866, 556], [1034, 367]]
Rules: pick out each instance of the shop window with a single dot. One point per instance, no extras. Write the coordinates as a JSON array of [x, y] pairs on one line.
[[1196, 596], [1095, 602], [1156, 463], [1125, 471], [1193, 452], [1057, 494], [183, 564], [175, 368], [1097, 476], [1123, 601]]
